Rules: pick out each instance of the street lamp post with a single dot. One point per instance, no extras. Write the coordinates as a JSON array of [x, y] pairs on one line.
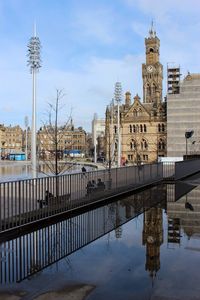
[[26, 126], [188, 134], [34, 62], [118, 96]]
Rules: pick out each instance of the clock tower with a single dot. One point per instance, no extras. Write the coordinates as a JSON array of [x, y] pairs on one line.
[[152, 70]]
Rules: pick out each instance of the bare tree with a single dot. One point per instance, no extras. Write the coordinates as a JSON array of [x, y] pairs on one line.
[[51, 137]]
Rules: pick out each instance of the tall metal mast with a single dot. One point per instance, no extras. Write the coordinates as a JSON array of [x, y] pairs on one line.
[[118, 97], [34, 62]]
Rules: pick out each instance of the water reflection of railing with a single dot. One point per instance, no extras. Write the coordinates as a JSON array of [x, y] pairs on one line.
[[28, 254], [23, 201]]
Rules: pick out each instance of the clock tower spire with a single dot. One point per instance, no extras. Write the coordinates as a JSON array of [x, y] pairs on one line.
[[152, 70]]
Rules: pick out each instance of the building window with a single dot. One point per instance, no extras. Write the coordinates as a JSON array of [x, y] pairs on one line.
[[145, 128], [163, 127], [130, 128], [161, 145], [132, 145], [115, 129], [130, 157], [139, 112], [159, 128], [141, 128], [134, 128], [145, 157], [144, 145], [153, 88]]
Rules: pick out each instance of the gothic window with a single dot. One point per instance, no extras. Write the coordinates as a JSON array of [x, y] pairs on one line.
[[163, 127], [144, 145], [145, 128], [151, 50], [132, 144], [161, 144], [115, 129], [134, 128], [153, 89], [115, 146], [148, 90], [139, 112], [130, 128], [141, 128], [159, 128]]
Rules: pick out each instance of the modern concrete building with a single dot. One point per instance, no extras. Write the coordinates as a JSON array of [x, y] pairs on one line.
[[183, 114], [98, 134]]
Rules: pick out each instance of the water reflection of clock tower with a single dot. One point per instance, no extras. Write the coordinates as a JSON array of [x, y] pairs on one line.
[[152, 70], [153, 238]]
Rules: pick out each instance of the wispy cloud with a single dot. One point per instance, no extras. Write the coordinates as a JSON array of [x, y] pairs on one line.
[[87, 47]]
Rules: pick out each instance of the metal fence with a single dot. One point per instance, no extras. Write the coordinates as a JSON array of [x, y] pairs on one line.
[[24, 201], [168, 170], [28, 254]]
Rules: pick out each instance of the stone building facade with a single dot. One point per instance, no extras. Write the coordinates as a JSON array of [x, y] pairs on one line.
[[10, 139], [142, 123], [68, 139]]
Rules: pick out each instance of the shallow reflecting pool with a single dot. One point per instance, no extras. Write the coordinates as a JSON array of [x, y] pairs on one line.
[[10, 171], [145, 246]]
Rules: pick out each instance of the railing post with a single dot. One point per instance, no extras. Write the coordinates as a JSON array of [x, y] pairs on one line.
[[19, 199]]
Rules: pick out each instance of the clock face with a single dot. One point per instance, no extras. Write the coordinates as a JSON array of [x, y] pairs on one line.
[[150, 69]]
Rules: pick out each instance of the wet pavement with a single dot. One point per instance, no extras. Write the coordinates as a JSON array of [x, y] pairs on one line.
[[145, 246]]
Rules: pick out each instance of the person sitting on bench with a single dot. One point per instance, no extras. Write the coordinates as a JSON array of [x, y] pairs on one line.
[[100, 184], [48, 196]]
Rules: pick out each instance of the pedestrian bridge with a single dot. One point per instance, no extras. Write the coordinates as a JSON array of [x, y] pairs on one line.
[[24, 202]]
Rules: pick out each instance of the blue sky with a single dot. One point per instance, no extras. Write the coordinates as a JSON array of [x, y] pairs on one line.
[[86, 47]]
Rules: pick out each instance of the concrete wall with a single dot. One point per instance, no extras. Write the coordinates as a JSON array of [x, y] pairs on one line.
[[183, 113]]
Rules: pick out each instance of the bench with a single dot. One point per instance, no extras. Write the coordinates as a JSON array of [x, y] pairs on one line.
[[53, 200]]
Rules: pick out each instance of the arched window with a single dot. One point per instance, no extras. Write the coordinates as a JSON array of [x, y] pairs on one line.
[[115, 146], [141, 128], [159, 128], [134, 128], [148, 90], [130, 128], [163, 127], [115, 129], [139, 113], [161, 144], [151, 50], [145, 128], [144, 145], [153, 89], [132, 144]]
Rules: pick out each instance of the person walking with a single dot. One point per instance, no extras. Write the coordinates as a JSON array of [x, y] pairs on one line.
[[84, 171]]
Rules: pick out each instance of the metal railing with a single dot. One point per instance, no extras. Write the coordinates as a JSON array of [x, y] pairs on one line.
[[23, 202], [30, 253], [169, 170]]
